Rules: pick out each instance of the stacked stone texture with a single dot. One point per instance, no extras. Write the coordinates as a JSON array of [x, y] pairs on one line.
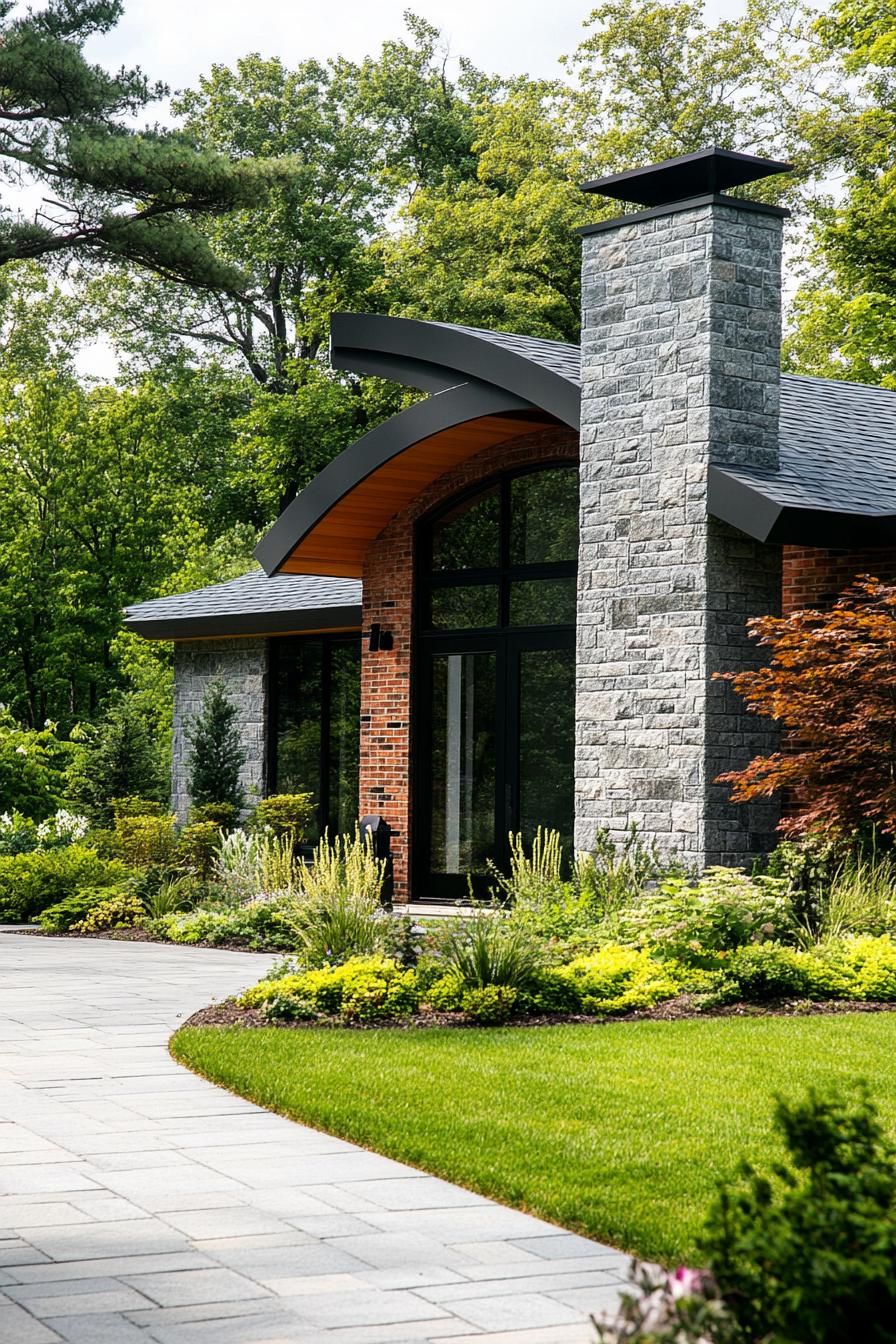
[[242, 665], [680, 369]]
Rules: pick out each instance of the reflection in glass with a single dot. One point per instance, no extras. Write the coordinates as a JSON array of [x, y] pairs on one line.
[[544, 516], [469, 536], [345, 716], [463, 762], [547, 716], [543, 602], [299, 712], [469, 607]]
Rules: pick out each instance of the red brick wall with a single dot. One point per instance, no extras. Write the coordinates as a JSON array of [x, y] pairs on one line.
[[815, 577], [386, 745]]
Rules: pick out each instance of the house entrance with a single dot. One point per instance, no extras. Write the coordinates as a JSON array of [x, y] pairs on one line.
[[495, 676]]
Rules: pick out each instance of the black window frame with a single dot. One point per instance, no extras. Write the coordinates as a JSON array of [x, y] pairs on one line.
[[277, 647]]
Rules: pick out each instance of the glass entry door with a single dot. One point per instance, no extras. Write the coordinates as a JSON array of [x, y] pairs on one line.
[[495, 753]]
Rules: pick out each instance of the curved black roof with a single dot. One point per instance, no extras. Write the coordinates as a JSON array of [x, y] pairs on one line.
[[250, 605]]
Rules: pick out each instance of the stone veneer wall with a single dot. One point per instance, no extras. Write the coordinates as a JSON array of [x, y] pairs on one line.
[[386, 690], [680, 368], [242, 664]]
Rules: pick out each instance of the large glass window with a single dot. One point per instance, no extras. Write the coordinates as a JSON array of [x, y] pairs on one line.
[[315, 725], [496, 676], [505, 556]]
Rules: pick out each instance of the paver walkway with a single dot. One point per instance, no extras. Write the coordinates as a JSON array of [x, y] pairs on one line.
[[138, 1203]]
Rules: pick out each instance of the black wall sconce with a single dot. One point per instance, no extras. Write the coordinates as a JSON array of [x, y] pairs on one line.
[[379, 640]]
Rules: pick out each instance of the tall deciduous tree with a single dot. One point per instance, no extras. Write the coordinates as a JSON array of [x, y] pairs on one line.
[[845, 315], [111, 191], [831, 684]]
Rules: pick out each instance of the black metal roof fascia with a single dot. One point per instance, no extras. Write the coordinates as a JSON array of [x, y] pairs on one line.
[[397, 369], [748, 508], [740, 504], [706, 171], [445, 348], [355, 463], [246, 623], [676, 207]]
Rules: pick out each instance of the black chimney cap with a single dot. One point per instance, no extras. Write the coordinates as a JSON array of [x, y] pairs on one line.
[[704, 173]]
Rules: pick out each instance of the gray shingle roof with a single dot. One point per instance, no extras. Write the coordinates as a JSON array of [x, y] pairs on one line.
[[837, 444], [251, 604]]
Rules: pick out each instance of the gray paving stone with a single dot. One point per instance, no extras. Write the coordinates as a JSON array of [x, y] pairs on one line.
[[18, 1326], [141, 1203]]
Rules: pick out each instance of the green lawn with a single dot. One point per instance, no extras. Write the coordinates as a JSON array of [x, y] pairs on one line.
[[620, 1132]]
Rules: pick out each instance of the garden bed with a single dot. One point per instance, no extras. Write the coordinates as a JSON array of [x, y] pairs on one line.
[[145, 936], [682, 1008]]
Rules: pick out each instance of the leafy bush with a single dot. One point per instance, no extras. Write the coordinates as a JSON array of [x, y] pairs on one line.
[[285, 814], [619, 980], [769, 971], [808, 1254], [33, 767], [63, 828], [364, 989], [222, 815], [31, 882], [490, 1004], [446, 994], [18, 834], [169, 897], [198, 845], [692, 923], [487, 948], [61, 917], [119, 760], [133, 806], [146, 840], [259, 926], [871, 966], [122, 910], [609, 877]]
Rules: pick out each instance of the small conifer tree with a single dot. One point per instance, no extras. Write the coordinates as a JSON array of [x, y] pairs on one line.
[[119, 760], [216, 755]]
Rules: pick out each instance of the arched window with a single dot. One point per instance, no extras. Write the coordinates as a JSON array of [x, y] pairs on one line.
[[495, 702], [504, 556]]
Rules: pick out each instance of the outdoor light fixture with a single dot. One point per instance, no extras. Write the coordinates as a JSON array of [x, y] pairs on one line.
[[379, 639]]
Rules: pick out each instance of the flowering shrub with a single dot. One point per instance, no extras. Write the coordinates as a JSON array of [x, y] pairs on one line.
[[121, 910], [684, 1307], [693, 922], [18, 834], [63, 828], [33, 765]]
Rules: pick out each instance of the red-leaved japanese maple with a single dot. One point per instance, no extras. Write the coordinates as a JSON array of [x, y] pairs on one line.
[[831, 684]]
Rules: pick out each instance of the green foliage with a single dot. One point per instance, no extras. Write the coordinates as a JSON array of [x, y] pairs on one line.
[[118, 193], [133, 806], [259, 926], [693, 923], [285, 814], [807, 1254], [336, 913], [222, 815], [216, 752], [64, 914], [489, 1005], [121, 910], [363, 989], [169, 897], [619, 980], [198, 845], [118, 762], [18, 834], [146, 841], [33, 765], [31, 882], [486, 948]]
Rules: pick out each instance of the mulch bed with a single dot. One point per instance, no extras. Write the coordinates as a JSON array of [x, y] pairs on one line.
[[230, 1014]]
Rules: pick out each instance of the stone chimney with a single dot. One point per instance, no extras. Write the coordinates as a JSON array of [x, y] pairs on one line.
[[681, 340]]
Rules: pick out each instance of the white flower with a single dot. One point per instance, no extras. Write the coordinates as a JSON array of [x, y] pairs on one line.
[[21, 751]]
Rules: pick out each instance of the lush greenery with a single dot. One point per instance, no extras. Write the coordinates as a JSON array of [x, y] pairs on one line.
[[633, 1125], [211, 256], [805, 1253]]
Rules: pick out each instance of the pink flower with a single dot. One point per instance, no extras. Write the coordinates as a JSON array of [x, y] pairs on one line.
[[687, 1282]]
